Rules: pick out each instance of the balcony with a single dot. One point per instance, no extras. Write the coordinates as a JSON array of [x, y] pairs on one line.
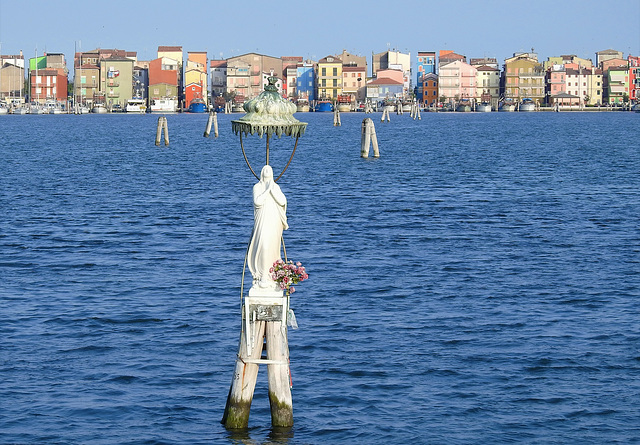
[[113, 95]]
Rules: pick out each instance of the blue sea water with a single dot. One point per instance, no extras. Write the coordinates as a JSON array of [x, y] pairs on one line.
[[478, 283]]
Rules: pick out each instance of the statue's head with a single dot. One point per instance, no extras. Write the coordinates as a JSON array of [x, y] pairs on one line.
[[267, 173]]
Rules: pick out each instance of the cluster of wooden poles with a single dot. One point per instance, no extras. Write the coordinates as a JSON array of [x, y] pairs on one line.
[[163, 128]]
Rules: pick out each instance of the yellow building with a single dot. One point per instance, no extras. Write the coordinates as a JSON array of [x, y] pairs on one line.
[[195, 77], [329, 78], [524, 78]]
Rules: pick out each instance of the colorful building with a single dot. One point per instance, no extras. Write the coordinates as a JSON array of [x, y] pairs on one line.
[[163, 81], [634, 78], [570, 61], [48, 78], [354, 80], [427, 90], [245, 73], [393, 59], [306, 81], [595, 87], [384, 88], [329, 78], [617, 84], [218, 75], [116, 81], [457, 81], [523, 77], [86, 77], [290, 74], [426, 64], [487, 85], [174, 53], [607, 54], [195, 78], [12, 78]]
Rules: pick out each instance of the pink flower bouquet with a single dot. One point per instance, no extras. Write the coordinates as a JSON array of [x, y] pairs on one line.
[[287, 274]]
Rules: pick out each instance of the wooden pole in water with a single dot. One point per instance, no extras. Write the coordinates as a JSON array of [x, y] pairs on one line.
[[159, 131], [280, 399], [336, 118], [215, 124], [207, 130], [166, 130], [236, 413], [374, 139], [365, 139]]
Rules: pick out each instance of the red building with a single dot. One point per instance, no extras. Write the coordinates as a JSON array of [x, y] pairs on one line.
[[428, 89], [634, 78], [48, 84]]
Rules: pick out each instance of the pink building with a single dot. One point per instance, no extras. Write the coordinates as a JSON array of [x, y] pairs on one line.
[[457, 81], [557, 79]]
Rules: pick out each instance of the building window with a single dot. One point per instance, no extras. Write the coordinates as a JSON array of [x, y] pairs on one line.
[[335, 71], [324, 71]]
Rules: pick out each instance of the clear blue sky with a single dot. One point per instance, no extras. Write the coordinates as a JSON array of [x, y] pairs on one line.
[[491, 28]]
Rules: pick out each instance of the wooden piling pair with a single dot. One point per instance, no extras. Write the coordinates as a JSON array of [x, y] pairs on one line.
[[263, 328], [369, 138], [213, 120], [336, 118], [385, 114], [162, 125], [415, 111]]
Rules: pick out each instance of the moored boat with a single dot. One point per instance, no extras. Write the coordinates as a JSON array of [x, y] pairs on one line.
[[302, 106], [484, 107], [99, 108], [323, 105], [507, 105], [197, 105], [4, 110], [136, 105], [463, 106], [527, 105], [164, 105], [53, 107], [344, 103]]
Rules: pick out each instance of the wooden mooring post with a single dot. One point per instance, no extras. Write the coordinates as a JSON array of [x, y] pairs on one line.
[[263, 329], [385, 114], [213, 120], [369, 138], [162, 125], [336, 118]]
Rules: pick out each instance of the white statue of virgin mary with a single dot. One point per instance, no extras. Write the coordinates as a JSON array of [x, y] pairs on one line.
[[270, 219]]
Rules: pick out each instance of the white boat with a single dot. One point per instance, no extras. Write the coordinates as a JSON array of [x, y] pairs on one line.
[[344, 107], [136, 105], [484, 107], [53, 107], [20, 110], [164, 105], [37, 109], [99, 109], [507, 105], [302, 106], [527, 105], [4, 110]]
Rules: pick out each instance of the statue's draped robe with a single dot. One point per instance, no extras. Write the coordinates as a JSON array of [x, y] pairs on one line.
[[269, 210]]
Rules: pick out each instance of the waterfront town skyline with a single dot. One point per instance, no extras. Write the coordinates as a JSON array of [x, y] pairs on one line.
[[180, 80], [495, 30]]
